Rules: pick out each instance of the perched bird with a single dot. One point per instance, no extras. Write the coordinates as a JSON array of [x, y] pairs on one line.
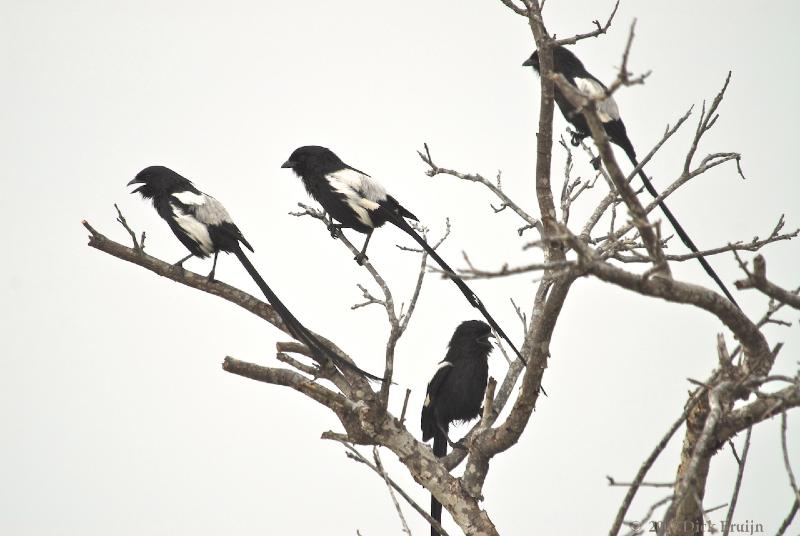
[[457, 389], [359, 202], [203, 225], [567, 64]]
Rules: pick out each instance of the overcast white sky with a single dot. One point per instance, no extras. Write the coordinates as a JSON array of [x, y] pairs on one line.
[[116, 415]]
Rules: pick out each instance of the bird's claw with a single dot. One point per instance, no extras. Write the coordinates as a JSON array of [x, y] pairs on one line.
[[595, 162], [360, 258], [335, 230]]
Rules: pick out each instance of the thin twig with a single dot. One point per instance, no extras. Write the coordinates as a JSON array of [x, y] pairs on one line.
[[436, 170], [753, 245], [787, 464], [599, 29], [121, 219], [357, 456], [636, 526], [737, 486], [789, 518], [382, 471], [405, 405], [758, 277], [639, 478], [612, 482]]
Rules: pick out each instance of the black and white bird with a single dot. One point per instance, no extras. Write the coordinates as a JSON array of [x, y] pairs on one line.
[[457, 389], [567, 64], [359, 202], [203, 225], [199, 221]]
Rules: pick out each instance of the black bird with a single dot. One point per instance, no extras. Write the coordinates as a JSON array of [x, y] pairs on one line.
[[203, 225], [359, 202], [567, 64], [457, 389]]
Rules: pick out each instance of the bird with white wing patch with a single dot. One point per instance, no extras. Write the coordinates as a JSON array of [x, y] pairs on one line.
[[567, 64], [359, 202], [199, 221], [203, 225]]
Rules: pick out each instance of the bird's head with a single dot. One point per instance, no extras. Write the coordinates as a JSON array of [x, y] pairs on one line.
[[313, 158], [533, 61], [564, 62], [472, 332], [157, 181]]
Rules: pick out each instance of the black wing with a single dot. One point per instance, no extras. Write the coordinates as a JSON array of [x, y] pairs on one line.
[[428, 421]]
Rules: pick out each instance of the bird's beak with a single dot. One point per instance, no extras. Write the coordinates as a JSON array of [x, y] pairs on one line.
[[485, 338], [137, 181], [288, 164], [527, 63]]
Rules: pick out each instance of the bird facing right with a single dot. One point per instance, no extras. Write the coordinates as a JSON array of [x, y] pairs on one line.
[[456, 391]]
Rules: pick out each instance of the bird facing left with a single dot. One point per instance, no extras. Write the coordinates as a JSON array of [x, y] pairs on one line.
[[359, 202], [203, 225], [199, 221]]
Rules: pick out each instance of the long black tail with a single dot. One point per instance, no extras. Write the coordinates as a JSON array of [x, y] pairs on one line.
[[472, 298], [677, 226], [320, 350], [439, 450]]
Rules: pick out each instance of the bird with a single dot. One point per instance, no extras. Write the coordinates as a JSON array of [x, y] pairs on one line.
[[205, 227], [568, 64], [359, 202], [456, 391]]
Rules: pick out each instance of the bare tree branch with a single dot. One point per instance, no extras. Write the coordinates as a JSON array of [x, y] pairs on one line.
[[648, 463], [613, 482], [515, 8], [637, 526], [287, 378], [386, 479], [122, 221], [759, 356], [740, 473], [495, 188], [789, 518], [758, 279], [357, 456], [709, 415], [398, 321], [213, 287], [765, 407], [623, 76], [639, 216], [786, 463], [600, 29], [690, 481], [753, 245]]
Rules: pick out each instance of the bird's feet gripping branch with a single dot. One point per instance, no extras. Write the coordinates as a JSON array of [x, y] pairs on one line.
[[335, 230]]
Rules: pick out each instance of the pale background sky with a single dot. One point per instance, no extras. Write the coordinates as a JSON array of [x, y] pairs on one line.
[[116, 415]]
